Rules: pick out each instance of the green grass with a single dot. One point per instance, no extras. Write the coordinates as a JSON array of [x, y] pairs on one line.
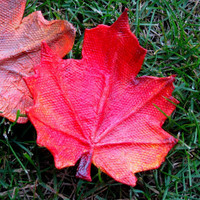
[[170, 31]]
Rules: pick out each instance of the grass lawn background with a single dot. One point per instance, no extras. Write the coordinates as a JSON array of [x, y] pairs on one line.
[[170, 31]]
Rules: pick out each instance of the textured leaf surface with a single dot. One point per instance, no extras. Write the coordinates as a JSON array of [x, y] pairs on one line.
[[97, 110], [20, 43]]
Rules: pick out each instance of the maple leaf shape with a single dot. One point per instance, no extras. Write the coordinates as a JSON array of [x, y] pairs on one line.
[[96, 110], [20, 43]]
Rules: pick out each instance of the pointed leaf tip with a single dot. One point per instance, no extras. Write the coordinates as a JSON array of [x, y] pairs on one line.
[[122, 21], [44, 46], [47, 54]]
